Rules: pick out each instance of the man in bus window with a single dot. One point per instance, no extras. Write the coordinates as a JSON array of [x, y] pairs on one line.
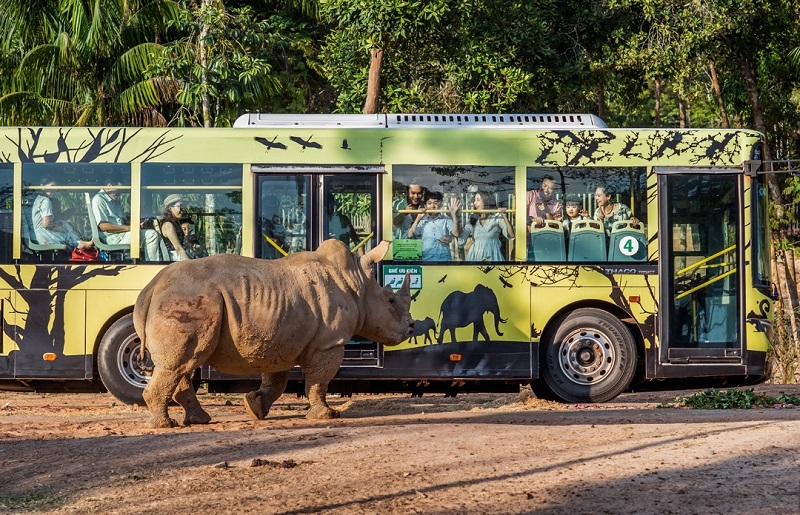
[[114, 224], [437, 230], [542, 204], [414, 200]]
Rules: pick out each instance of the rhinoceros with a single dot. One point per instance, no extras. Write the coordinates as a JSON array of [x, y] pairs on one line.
[[250, 316]]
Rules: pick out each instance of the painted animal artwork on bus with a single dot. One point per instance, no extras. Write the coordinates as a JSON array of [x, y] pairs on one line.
[[423, 328], [461, 309]]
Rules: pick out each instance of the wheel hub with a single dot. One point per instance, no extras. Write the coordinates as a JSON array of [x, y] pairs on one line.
[[134, 368], [586, 356]]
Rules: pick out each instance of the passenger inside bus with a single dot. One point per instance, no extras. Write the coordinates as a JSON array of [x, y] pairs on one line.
[[575, 212], [174, 238], [190, 239], [437, 230], [415, 194], [542, 203], [46, 228], [608, 211], [114, 224], [485, 228]]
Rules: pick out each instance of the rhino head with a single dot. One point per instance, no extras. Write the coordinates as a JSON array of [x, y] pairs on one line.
[[387, 318]]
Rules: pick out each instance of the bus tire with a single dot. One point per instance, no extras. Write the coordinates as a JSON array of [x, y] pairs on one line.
[[123, 374], [589, 357]]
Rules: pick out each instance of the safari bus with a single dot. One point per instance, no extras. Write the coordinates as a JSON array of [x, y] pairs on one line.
[[548, 250]]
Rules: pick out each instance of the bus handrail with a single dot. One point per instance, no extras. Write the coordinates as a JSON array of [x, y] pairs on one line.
[[703, 261], [274, 244], [705, 284]]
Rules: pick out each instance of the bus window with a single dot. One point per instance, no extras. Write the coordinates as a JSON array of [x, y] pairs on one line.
[[202, 203], [349, 210], [57, 202], [6, 211], [484, 223], [586, 214], [282, 215]]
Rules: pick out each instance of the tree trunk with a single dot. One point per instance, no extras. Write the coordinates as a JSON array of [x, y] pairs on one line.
[[657, 86], [374, 81], [682, 114], [601, 98], [203, 57], [723, 114]]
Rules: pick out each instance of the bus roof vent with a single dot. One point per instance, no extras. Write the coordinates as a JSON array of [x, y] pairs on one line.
[[311, 120], [496, 121]]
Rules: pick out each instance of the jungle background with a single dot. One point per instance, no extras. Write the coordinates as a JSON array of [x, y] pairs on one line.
[[635, 63]]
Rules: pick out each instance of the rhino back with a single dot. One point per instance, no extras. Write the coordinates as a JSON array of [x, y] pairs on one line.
[[271, 313]]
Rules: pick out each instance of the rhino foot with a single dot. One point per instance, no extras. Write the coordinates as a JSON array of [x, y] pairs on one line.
[[197, 417], [254, 406], [162, 423], [322, 413]]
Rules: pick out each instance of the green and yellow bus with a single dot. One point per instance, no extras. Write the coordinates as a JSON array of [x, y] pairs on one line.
[[663, 273]]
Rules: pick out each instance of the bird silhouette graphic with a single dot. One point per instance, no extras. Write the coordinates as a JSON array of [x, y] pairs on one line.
[[443, 278], [270, 144], [306, 143]]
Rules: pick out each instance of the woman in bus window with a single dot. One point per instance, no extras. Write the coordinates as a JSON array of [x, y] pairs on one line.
[[609, 211], [46, 229], [171, 230], [486, 228]]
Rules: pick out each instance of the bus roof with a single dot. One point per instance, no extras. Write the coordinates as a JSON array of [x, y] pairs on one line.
[[476, 121]]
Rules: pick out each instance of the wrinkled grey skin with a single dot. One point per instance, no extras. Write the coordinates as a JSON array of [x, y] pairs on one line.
[[245, 316]]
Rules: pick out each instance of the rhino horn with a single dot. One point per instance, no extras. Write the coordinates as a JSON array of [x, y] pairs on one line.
[[373, 256], [405, 289]]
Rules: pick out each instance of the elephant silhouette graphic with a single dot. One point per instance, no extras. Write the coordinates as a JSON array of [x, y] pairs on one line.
[[461, 309], [423, 328]]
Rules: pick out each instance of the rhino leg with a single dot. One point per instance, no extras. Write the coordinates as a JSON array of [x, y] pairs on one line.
[[157, 394], [258, 403], [319, 370], [185, 396]]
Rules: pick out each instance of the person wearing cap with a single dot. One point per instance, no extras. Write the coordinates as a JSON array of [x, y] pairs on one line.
[[174, 238], [115, 227]]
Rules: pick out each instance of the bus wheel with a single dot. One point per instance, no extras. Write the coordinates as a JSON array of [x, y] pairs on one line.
[[591, 357], [123, 372]]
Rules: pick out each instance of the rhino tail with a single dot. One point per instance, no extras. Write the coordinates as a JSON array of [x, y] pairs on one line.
[[140, 310]]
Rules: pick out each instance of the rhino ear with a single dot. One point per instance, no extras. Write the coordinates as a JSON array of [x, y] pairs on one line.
[[373, 256]]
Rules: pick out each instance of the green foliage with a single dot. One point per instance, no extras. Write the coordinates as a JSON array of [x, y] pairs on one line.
[[222, 66], [735, 399], [439, 55], [77, 63]]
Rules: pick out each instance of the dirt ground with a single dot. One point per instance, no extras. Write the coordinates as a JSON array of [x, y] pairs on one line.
[[476, 453]]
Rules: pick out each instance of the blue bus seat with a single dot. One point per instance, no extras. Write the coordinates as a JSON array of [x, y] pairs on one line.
[[628, 243], [52, 250], [547, 243], [587, 241]]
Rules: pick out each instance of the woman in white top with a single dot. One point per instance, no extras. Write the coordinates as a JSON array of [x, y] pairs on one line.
[[486, 228]]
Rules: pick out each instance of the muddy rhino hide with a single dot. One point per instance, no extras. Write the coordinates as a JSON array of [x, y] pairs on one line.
[[251, 316]]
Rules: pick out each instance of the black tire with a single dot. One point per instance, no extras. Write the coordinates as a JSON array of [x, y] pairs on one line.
[[542, 391], [122, 372], [590, 357]]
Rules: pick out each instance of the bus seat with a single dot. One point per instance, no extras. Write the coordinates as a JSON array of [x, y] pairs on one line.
[[587, 241], [547, 243], [622, 248], [116, 251], [40, 250]]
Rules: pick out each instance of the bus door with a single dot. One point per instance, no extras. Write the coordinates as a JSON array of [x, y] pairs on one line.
[[700, 270], [298, 207]]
